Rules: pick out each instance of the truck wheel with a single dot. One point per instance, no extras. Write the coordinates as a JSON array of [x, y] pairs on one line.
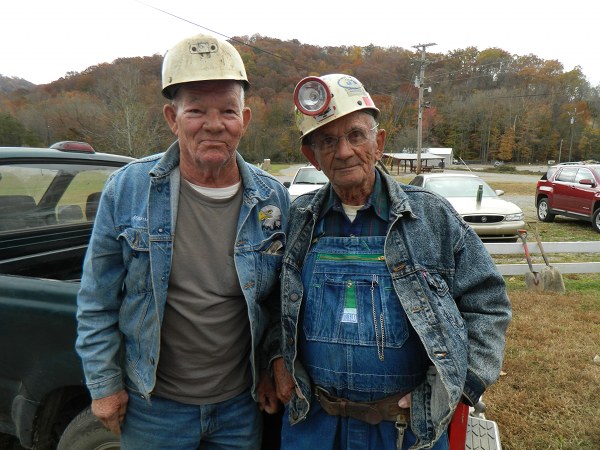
[[596, 220], [85, 432], [543, 211]]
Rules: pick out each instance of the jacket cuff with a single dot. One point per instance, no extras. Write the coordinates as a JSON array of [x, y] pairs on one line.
[[106, 387], [473, 389]]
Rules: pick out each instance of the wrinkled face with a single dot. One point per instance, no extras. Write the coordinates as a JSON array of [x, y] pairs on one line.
[[209, 119], [346, 150]]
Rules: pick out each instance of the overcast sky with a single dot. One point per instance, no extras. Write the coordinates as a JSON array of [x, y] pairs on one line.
[[42, 40]]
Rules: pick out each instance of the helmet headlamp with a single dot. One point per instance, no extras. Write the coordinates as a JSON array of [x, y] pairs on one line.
[[312, 96]]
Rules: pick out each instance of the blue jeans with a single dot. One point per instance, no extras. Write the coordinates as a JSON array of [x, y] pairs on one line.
[[322, 431], [169, 425]]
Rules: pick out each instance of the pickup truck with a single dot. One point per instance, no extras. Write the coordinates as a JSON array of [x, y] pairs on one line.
[[48, 201], [570, 190]]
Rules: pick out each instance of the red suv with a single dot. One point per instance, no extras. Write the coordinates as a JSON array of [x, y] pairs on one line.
[[571, 190]]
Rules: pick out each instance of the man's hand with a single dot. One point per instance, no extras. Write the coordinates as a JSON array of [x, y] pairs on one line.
[[283, 381], [267, 396], [111, 410], [404, 402]]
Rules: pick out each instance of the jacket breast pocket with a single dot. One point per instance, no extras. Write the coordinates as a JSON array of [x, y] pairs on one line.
[[269, 259], [135, 245], [442, 298]]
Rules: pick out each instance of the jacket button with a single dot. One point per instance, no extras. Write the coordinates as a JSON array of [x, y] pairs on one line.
[[294, 297], [290, 341], [152, 360]]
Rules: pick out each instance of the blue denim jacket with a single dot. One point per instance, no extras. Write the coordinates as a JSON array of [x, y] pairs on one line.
[[446, 282], [123, 290]]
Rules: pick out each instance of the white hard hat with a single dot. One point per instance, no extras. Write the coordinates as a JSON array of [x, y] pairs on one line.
[[320, 100], [201, 58]]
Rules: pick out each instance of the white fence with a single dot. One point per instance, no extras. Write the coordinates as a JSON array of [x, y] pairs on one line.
[[549, 247]]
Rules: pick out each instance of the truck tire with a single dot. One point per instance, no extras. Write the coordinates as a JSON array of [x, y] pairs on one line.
[[85, 432], [543, 211]]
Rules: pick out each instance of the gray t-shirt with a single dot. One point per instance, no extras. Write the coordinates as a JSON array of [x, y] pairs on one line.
[[205, 335]]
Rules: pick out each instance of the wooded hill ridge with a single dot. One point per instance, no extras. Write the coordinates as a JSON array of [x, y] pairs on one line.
[[487, 105]]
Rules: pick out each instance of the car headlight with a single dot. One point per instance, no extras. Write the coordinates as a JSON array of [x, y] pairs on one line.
[[514, 217]]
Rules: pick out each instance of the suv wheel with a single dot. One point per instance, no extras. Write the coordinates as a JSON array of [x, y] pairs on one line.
[[596, 220], [543, 211]]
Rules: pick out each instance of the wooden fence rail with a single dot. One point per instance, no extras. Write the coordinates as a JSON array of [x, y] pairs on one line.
[[549, 247]]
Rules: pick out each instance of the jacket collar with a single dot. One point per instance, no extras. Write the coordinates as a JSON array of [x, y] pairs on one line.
[[254, 186], [399, 201]]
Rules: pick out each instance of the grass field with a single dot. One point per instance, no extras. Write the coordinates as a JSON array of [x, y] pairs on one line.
[[549, 397]]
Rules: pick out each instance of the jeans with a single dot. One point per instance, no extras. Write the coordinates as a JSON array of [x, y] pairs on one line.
[[324, 432], [169, 425]]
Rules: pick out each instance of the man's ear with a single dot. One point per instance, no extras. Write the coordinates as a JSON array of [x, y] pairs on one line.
[[310, 155], [246, 117], [170, 115], [380, 139]]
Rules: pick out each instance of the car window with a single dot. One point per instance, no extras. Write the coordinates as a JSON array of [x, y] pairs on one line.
[[310, 176], [567, 174], [44, 194], [583, 174]]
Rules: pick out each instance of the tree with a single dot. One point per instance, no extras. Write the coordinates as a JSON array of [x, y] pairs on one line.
[[14, 134]]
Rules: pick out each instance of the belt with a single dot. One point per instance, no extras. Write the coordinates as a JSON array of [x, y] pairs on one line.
[[369, 412]]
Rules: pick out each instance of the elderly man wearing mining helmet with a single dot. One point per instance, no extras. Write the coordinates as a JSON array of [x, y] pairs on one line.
[[393, 311]]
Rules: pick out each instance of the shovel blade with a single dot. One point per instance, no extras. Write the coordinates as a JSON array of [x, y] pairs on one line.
[[533, 281], [551, 280]]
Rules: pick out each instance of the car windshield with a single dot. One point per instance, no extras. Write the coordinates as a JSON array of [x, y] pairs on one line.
[[459, 187], [310, 176]]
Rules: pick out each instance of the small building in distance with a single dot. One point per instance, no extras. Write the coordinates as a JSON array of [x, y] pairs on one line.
[[408, 161], [442, 151]]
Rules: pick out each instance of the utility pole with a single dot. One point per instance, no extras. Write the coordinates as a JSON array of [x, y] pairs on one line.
[[572, 115], [419, 82]]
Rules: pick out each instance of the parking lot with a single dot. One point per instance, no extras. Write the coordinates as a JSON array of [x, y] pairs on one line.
[[525, 202]]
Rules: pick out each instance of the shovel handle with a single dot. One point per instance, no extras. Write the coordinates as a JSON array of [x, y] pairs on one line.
[[539, 243], [523, 235]]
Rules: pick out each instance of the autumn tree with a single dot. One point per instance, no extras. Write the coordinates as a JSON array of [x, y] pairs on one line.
[[14, 134]]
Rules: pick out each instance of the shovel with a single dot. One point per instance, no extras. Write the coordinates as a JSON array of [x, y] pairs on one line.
[[552, 280], [533, 280]]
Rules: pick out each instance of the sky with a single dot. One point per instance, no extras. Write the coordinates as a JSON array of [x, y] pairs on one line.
[[42, 40]]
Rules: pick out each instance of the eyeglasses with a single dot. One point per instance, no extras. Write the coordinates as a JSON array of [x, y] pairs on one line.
[[355, 137]]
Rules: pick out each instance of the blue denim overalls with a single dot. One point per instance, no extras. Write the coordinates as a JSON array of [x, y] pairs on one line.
[[355, 342]]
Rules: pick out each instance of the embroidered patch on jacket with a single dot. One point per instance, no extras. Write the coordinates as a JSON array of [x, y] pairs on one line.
[[270, 217]]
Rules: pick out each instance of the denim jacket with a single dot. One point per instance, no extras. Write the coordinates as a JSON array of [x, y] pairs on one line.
[[126, 271], [448, 285]]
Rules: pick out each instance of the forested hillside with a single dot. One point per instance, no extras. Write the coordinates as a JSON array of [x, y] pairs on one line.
[[485, 104]]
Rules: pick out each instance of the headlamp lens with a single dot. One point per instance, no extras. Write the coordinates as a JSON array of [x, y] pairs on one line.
[[311, 96]]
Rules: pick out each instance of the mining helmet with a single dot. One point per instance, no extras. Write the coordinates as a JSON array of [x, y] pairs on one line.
[[320, 100], [201, 58]]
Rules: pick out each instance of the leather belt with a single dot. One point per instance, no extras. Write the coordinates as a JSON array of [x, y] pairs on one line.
[[369, 412]]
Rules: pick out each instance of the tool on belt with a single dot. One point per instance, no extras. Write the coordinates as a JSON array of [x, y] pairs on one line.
[[370, 412]]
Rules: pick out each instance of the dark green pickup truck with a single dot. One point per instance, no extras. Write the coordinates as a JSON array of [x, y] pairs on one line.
[[48, 201]]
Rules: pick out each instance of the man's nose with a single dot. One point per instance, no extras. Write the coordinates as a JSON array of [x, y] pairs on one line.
[[344, 149], [213, 120]]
